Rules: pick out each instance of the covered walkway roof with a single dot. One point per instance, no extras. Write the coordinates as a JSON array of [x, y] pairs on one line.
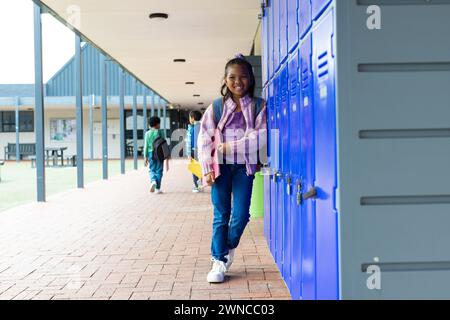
[[204, 32]]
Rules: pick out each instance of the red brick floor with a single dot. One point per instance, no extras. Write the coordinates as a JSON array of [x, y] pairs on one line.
[[115, 240]]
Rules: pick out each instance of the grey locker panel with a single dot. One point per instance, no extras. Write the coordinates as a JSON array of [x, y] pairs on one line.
[[394, 148], [409, 33], [406, 285], [402, 167], [401, 100]]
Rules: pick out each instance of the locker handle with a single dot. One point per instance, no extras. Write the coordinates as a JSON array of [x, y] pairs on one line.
[[311, 194], [299, 194]]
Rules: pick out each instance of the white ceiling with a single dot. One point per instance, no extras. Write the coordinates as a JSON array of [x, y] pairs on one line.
[[204, 32]]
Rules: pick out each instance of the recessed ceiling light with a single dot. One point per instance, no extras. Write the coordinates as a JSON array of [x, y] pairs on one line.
[[196, 95], [158, 16], [190, 82], [179, 60], [200, 103]]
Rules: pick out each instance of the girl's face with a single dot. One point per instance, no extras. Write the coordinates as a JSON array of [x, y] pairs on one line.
[[191, 120], [237, 80]]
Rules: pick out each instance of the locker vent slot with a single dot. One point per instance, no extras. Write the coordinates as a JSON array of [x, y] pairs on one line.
[[405, 200], [404, 134], [401, 2], [305, 78], [322, 64], [404, 67], [408, 266]]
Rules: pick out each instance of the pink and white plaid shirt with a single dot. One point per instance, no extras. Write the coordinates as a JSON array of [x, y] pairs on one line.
[[210, 136]]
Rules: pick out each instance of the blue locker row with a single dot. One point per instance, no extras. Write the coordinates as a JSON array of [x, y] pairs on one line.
[[300, 219], [285, 23]]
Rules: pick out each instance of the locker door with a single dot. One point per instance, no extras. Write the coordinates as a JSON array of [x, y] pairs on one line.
[[270, 39], [276, 34], [279, 179], [265, 49], [292, 24], [307, 170], [285, 169], [274, 146], [304, 17], [294, 230], [325, 150], [267, 97], [318, 7], [283, 30]]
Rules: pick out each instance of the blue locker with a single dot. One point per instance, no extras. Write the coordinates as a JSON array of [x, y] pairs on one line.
[[283, 30], [266, 177], [294, 231], [308, 240], [292, 24], [274, 145], [265, 49], [304, 17], [325, 159], [285, 169], [318, 7], [276, 34], [279, 215], [270, 33]]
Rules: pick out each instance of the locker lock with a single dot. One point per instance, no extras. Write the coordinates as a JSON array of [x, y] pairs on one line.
[[275, 176], [288, 185], [299, 193]]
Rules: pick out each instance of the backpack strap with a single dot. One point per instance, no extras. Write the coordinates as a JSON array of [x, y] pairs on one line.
[[218, 109], [258, 107]]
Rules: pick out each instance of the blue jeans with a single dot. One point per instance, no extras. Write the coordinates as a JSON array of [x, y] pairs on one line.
[[227, 234], [155, 170]]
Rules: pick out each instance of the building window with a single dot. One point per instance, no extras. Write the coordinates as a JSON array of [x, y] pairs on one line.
[[8, 121]]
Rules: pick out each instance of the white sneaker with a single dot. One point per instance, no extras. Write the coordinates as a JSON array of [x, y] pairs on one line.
[[153, 186], [158, 191], [217, 273], [195, 190], [230, 258]]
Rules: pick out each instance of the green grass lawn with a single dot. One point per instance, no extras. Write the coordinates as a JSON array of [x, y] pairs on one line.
[[18, 184]]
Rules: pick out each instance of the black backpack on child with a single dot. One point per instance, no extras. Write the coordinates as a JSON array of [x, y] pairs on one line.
[[161, 150]]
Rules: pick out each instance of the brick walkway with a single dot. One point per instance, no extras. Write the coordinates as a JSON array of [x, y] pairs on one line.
[[115, 240]]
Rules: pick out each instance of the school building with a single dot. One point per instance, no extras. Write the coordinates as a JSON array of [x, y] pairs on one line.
[[356, 192]]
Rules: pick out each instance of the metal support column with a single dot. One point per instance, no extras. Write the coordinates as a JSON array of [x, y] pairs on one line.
[[104, 82], [152, 112], [122, 119], [135, 151], [91, 126], [144, 111], [159, 107], [17, 130], [39, 105], [79, 107], [164, 119]]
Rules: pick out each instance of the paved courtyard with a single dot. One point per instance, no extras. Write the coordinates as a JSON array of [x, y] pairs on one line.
[[115, 240]]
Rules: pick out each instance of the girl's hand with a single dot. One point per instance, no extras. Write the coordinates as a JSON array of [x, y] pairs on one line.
[[146, 162], [210, 178]]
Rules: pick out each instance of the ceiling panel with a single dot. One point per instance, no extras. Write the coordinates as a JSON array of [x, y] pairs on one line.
[[205, 32]]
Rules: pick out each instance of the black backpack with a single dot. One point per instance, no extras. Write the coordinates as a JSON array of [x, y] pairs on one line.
[[161, 150]]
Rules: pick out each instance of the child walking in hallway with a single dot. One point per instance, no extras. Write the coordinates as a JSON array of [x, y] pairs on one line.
[[229, 126], [155, 165], [193, 131]]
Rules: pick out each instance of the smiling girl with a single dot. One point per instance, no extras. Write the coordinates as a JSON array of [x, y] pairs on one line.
[[230, 126]]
